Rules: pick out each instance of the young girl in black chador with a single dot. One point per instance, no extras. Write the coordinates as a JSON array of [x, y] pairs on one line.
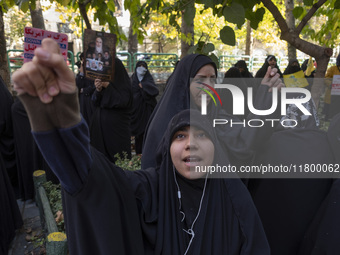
[[170, 209]]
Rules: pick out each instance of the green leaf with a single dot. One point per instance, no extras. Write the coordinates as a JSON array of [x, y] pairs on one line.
[[227, 36], [234, 14], [24, 6], [192, 49], [260, 13], [65, 2], [209, 47], [33, 5], [189, 14], [217, 11], [337, 4], [77, 20], [214, 58], [217, 2], [123, 36], [154, 4], [248, 3], [173, 21], [308, 2], [297, 12], [255, 17], [200, 45], [140, 37], [208, 3], [111, 6]]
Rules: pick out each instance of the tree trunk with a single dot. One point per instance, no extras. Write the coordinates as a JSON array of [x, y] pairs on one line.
[[4, 70], [37, 16], [82, 10], [321, 55], [318, 82], [248, 38], [291, 51], [133, 41], [185, 30], [291, 26]]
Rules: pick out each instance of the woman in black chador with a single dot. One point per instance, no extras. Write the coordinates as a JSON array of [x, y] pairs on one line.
[[233, 76], [28, 156], [242, 66], [184, 90], [292, 67], [169, 209], [110, 125], [269, 61], [176, 97], [289, 208], [144, 92], [10, 217]]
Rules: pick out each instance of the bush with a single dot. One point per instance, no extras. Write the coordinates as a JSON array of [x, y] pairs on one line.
[[128, 164], [53, 193]]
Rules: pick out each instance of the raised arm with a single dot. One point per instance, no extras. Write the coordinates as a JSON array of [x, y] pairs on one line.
[[47, 88]]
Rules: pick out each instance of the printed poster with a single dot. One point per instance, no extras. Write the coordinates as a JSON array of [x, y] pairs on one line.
[[336, 85], [33, 38], [100, 52], [295, 80]]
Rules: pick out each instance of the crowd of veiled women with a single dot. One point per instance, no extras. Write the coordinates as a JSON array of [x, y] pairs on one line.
[[299, 216], [297, 213], [125, 104]]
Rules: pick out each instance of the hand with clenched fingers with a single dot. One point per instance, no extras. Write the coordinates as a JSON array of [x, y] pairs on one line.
[[272, 79]]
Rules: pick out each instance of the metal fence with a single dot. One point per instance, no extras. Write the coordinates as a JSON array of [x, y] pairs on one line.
[[163, 62], [16, 61]]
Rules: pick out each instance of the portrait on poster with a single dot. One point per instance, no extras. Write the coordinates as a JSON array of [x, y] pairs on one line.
[[100, 52]]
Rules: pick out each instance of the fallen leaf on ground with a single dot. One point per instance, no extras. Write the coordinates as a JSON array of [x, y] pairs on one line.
[[60, 216], [28, 238]]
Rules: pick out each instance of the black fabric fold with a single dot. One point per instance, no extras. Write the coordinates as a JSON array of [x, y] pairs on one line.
[[110, 125], [10, 219]]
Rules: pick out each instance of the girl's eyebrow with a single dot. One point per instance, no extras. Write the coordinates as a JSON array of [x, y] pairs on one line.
[[182, 129], [204, 76], [185, 128]]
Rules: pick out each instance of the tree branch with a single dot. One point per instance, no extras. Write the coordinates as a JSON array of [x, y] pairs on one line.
[[82, 9], [86, 2], [309, 15], [277, 15]]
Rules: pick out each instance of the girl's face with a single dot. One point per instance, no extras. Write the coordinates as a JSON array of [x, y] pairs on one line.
[[272, 62], [190, 148], [205, 75]]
